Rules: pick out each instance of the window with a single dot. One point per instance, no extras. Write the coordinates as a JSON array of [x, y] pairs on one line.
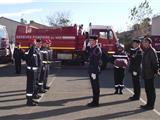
[[106, 35]]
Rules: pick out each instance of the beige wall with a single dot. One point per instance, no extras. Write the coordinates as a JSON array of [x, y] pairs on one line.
[[11, 27]]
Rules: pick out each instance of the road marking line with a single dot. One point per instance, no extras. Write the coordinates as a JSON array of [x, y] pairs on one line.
[[143, 101], [30, 111], [53, 79], [49, 86]]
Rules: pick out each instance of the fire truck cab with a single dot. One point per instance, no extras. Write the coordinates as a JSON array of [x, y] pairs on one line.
[[107, 40]]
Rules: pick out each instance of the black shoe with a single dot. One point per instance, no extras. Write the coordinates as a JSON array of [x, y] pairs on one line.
[[146, 107], [133, 98], [31, 103], [116, 92], [42, 91], [47, 87], [36, 96], [121, 93], [35, 101], [93, 104]]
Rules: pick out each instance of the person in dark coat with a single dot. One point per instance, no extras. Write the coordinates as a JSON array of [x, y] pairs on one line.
[[33, 63], [135, 56], [149, 71], [18, 56], [94, 69], [120, 60]]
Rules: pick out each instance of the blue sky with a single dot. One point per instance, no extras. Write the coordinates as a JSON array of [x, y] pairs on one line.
[[102, 12]]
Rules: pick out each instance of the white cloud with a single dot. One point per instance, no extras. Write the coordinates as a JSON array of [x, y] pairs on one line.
[[21, 13], [15, 1]]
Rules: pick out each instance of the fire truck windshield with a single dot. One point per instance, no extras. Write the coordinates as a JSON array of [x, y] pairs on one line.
[[106, 35]]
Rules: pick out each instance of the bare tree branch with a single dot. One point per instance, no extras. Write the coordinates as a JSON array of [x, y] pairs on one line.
[[59, 19]]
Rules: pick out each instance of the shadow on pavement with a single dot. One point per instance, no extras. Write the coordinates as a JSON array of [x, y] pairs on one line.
[[66, 110], [11, 100], [11, 107], [62, 102], [114, 115], [14, 91], [10, 95]]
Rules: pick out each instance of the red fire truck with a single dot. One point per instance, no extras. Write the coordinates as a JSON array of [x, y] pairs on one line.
[[67, 42]]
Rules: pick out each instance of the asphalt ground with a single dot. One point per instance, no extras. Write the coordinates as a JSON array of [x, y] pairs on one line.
[[69, 93]]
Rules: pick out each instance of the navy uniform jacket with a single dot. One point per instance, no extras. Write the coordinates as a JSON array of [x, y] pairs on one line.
[[135, 60], [95, 54], [50, 55], [45, 55], [34, 57]]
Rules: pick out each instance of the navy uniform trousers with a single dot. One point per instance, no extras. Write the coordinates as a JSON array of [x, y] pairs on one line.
[[95, 88]]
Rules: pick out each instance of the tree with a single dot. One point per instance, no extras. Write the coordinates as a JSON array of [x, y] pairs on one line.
[[141, 17], [59, 19]]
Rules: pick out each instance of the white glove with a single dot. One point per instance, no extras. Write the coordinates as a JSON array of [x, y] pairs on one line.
[[134, 73], [93, 76]]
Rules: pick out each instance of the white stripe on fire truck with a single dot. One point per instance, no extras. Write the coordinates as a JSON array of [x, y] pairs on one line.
[[45, 37], [63, 48], [68, 37]]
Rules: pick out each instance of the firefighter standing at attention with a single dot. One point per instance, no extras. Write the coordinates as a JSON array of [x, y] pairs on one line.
[[43, 75], [94, 70], [33, 63], [135, 56], [120, 60], [50, 58]]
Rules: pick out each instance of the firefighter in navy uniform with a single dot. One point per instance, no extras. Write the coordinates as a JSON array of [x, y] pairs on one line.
[[32, 61], [18, 56], [43, 75], [120, 60], [135, 56], [94, 70], [50, 59], [36, 91]]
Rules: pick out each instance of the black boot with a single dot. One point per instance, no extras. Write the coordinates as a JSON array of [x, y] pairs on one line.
[[31, 102], [116, 90], [41, 90], [93, 104], [36, 96], [46, 87], [121, 90]]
